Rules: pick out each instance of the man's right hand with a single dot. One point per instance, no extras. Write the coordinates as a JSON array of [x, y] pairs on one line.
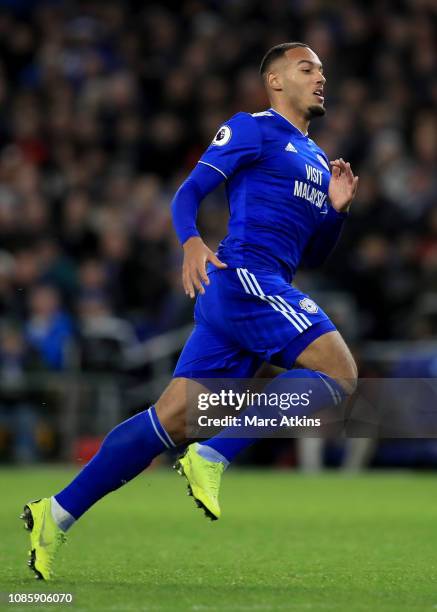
[[196, 256]]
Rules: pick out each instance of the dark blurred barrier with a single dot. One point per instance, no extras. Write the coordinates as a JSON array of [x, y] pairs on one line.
[[62, 415]]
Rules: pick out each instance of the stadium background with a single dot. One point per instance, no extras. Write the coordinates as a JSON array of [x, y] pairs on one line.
[[105, 108]]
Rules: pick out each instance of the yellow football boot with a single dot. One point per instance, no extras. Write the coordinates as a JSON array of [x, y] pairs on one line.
[[45, 537], [203, 477]]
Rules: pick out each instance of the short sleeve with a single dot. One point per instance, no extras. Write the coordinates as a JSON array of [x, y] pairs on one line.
[[236, 144]]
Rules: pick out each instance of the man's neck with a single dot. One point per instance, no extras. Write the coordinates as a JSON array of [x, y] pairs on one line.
[[300, 122]]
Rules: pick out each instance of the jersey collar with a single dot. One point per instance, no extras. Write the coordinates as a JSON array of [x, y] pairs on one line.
[[299, 133]]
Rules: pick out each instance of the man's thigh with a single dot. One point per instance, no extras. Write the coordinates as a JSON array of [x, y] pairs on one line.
[[210, 354], [301, 331], [330, 354]]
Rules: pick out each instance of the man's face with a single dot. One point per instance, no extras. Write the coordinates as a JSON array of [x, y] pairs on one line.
[[298, 76]]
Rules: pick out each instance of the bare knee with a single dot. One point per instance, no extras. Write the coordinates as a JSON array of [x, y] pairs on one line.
[[171, 409], [330, 355], [347, 376], [343, 370]]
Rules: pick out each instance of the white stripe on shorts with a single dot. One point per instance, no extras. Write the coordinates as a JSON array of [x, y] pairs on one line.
[[267, 298], [301, 318], [300, 315], [252, 286], [249, 288]]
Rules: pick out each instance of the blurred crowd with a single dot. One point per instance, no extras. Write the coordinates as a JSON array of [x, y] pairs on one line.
[[105, 108]]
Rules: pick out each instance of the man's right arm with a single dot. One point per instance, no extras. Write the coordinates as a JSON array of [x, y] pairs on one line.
[[236, 144], [185, 206]]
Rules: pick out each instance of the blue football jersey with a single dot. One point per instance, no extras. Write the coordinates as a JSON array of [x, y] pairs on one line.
[[277, 189]]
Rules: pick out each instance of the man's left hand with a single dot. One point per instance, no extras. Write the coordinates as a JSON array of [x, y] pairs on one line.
[[342, 186]]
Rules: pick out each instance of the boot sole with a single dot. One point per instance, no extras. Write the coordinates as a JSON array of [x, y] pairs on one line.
[[180, 470]]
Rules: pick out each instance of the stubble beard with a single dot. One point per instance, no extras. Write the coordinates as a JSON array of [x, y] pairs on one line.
[[315, 111]]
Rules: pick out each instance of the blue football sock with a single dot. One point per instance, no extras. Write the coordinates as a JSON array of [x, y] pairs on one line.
[[125, 452], [326, 394]]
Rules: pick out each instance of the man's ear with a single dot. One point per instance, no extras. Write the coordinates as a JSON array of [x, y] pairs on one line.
[[274, 81]]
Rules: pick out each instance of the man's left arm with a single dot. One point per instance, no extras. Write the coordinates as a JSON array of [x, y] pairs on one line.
[[342, 189]]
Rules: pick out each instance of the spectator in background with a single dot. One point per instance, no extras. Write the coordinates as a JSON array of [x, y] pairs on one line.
[[93, 279], [18, 414], [106, 108], [49, 330], [27, 271], [76, 233], [7, 293], [103, 337], [56, 269]]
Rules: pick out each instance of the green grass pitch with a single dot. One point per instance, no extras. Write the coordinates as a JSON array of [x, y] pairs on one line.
[[285, 542]]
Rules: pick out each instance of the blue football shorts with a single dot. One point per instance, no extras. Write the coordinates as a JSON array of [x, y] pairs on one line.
[[245, 318]]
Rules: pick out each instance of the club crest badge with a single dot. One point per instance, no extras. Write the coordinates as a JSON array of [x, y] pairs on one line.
[[308, 305], [223, 136]]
